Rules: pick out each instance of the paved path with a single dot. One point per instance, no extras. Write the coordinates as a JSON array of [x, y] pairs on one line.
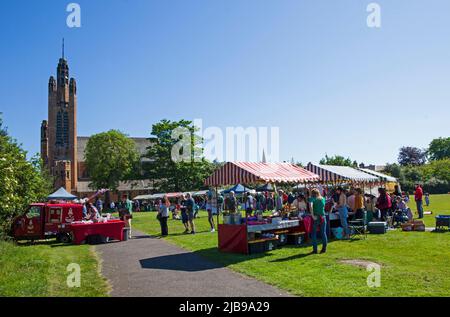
[[147, 266]]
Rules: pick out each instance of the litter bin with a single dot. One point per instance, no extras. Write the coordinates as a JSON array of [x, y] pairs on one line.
[[126, 233]]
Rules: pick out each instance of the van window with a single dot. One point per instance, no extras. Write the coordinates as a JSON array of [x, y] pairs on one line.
[[55, 215], [34, 212]]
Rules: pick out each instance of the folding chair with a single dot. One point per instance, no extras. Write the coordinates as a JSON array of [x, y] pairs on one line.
[[358, 227]]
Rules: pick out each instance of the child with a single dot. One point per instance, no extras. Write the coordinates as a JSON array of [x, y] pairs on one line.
[[427, 199]]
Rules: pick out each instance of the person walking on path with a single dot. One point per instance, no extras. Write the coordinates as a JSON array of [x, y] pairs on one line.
[[343, 211], [190, 205], [418, 197], [163, 215], [317, 208]]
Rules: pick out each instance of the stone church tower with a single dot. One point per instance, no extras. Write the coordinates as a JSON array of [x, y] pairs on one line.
[[59, 133]]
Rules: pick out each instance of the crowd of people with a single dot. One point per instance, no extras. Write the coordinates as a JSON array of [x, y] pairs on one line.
[[348, 204]]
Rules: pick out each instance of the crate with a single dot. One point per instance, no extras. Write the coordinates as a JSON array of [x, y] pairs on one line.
[[419, 227], [271, 244], [377, 227], [443, 221], [297, 238], [407, 226], [256, 246]]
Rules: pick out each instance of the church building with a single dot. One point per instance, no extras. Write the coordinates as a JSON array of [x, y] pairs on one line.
[[62, 150]]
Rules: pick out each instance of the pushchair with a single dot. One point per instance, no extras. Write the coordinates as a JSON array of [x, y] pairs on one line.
[[400, 216]]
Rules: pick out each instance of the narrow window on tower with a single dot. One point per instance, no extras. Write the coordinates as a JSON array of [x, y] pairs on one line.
[[66, 128], [59, 128]]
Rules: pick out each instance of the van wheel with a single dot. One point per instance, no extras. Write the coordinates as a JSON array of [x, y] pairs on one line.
[[63, 238]]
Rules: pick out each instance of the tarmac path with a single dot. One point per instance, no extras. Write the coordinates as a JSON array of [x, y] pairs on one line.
[[146, 266]]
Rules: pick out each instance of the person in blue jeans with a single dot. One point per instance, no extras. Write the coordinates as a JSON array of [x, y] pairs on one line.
[[318, 212], [343, 211]]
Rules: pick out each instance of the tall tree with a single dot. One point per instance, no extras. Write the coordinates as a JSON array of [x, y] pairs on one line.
[[338, 160], [21, 181], [439, 149], [111, 157], [176, 159], [411, 156]]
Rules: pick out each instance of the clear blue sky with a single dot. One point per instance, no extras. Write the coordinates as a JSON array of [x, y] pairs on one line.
[[313, 68]]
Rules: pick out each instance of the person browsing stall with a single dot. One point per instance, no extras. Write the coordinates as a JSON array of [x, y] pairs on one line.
[[317, 207]]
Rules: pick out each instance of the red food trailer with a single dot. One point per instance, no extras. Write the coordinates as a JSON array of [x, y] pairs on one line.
[[63, 221]]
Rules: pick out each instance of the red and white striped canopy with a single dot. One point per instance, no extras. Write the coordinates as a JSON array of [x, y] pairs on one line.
[[249, 173]]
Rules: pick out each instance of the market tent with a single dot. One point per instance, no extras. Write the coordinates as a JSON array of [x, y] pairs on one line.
[[332, 173], [61, 194], [250, 173], [266, 188], [381, 176], [237, 189]]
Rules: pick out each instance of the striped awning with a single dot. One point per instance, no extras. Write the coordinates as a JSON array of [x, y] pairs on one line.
[[331, 173], [251, 173]]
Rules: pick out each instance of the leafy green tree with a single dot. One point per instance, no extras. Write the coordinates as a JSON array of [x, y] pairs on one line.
[[111, 157], [176, 168], [21, 181], [439, 149], [411, 156], [338, 160]]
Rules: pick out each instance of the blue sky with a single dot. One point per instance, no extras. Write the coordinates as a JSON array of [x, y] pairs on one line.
[[312, 68]]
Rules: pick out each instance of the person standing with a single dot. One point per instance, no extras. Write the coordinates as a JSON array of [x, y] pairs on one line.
[[184, 213], [418, 197], [231, 203], [359, 203], [279, 202], [249, 205], [343, 211], [99, 205], [190, 205], [384, 203], [317, 207], [163, 215], [427, 199], [211, 208], [270, 202], [129, 213]]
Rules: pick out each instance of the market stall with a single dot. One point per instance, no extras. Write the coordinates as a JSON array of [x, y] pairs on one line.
[[258, 234], [333, 176]]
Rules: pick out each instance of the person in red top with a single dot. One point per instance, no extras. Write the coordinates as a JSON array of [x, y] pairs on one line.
[[384, 203], [418, 196]]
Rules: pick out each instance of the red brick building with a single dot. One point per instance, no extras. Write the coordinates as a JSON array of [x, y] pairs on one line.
[[62, 151]]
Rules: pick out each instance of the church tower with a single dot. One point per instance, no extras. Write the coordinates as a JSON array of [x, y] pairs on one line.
[[59, 132]]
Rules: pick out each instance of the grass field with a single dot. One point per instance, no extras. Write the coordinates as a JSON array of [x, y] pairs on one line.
[[40, 270], [412, 263]]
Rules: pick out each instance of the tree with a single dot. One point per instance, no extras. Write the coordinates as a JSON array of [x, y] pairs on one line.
[[338, 160], [21, 181], [176, 168], [439, 149], [411, 156], [111, 157]]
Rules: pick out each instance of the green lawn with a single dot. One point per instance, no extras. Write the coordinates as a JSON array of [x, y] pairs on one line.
[[41, 270], [413, 263]]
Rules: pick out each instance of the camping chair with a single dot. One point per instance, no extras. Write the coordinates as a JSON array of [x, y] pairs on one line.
[[358, 227]]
